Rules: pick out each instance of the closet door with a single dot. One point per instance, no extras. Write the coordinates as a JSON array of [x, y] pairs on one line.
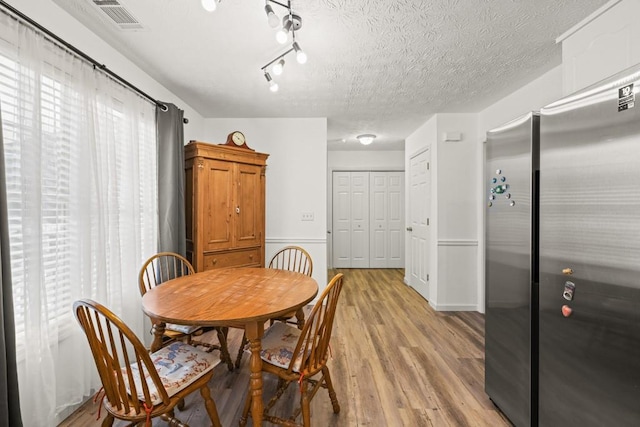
[[341, 220], [387, 220], [351, 219], [395, 219], [359, 219], [379, 223]]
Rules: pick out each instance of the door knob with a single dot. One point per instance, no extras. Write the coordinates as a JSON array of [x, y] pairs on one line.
[[409, 228]]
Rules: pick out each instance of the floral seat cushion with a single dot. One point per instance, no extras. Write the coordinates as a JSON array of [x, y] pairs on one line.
[[178, 365], [278, 344], [183, 329]]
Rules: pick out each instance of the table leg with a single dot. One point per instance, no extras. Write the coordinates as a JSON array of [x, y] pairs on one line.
[[158, 332], [254, 333]]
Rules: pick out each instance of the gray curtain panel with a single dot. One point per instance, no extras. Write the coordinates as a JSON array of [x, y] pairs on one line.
[[171, 216], [9, 398]]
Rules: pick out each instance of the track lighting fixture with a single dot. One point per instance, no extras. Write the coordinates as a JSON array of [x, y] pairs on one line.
[[291, 22], [278, 62]]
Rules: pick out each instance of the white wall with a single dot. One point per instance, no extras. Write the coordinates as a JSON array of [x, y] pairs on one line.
[[296, 180], [454, 209], [534, 95], [59, 22], [366, 160]]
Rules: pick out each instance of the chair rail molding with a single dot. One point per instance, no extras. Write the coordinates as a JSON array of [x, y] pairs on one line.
[[457, 242], [287, 240]]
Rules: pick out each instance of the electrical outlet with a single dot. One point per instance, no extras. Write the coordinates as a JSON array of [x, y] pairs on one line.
[[307, 216]]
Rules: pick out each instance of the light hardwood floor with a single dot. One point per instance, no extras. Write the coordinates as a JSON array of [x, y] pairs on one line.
[[396, 362]]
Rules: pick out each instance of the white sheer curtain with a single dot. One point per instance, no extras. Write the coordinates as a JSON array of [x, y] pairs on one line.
[[81, 186]]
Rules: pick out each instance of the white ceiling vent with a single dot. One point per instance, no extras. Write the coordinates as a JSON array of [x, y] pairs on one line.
[[118, 14]]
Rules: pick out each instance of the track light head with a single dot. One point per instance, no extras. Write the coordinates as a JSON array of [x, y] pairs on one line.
[[278, 68], [301, 57], [272, 18], [273, 86], [283, 34]]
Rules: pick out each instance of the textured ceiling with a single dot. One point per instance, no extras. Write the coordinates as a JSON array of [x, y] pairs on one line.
[[375, 66]]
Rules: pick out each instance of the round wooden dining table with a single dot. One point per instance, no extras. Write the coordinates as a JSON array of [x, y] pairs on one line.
[[236, 297]]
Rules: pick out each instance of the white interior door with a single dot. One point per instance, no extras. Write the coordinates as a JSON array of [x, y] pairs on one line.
[[359, 219], [379, 220], [419, 232], [368, 220], [395, 219], [341, 220], [387, 220]]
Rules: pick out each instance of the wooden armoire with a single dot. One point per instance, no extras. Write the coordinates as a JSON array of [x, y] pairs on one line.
[[225, 206]]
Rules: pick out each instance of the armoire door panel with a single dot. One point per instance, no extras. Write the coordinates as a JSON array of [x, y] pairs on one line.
[[189, 204], [217, 181], [248, 208]]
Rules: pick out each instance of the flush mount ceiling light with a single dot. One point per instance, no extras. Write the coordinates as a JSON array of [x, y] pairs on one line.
[[210, 5], [366, 139]]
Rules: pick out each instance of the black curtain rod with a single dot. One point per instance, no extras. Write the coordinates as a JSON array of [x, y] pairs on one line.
[[83, 55]]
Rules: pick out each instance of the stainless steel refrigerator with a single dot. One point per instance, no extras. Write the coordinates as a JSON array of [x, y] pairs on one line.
[[562, 332], [511, 172], [589, 318]]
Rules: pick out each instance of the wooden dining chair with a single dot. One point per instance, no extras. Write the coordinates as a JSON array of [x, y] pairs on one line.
[[139, 386], [291, 258], [165, 266], [296, 356]]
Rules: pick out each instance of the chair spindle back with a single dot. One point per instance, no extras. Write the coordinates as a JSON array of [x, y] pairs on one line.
[[293, 258], [314, 339], [161, 267], [115, 349]]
